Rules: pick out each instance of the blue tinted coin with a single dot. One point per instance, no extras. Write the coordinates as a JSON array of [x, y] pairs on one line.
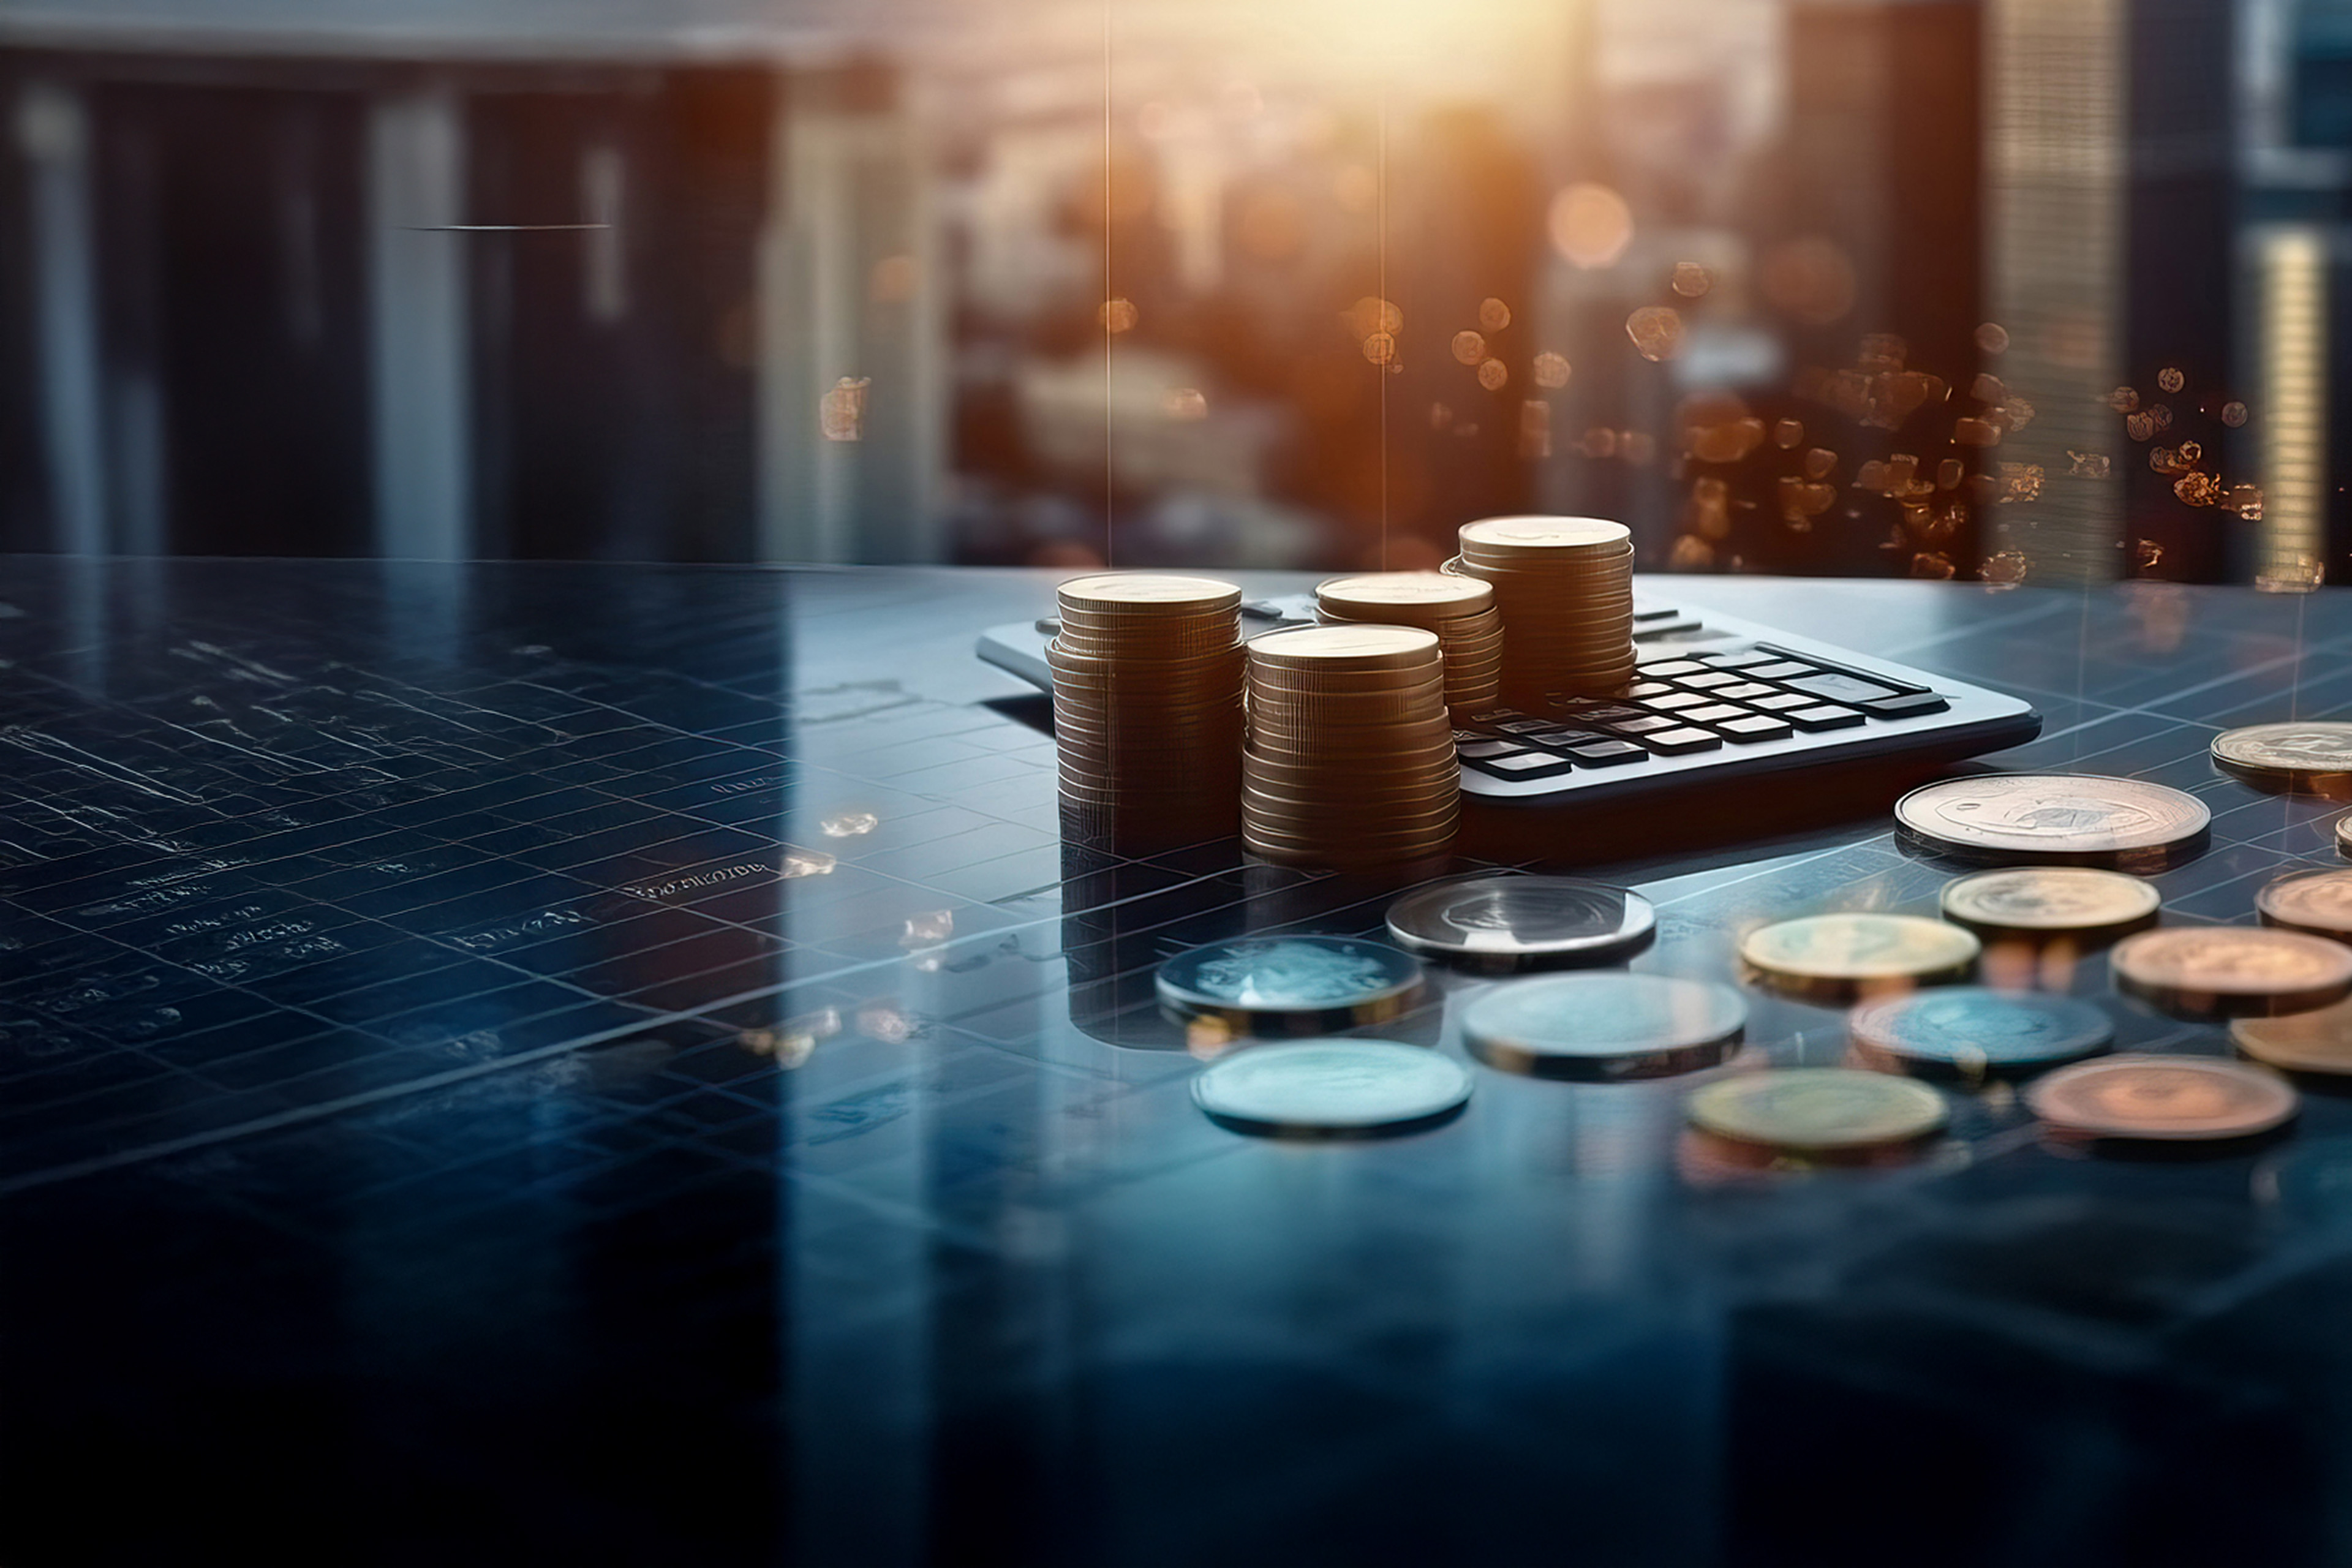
[[1604, 1026], [1289, 984], [1332, 1088], [1971, 1030]]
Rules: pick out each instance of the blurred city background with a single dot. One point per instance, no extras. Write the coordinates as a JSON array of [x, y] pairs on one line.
[[2007, 291]]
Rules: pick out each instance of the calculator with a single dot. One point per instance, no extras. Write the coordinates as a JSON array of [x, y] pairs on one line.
[[1714, 697]]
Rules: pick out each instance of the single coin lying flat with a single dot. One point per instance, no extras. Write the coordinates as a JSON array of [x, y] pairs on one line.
[[1838, 956], [2061, 819], [2045, 903], [1604, 1026], [1332, 1088], [2171, 1098], [1974, 1031], [2222, 972], [1521, 922], [2318, 903], [2308, 758], [1818, 1109]]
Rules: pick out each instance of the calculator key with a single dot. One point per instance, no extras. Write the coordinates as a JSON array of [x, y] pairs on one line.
[[1707, 682], [1664, 629], [1781, 670], [1739, 660], [1488, 718], [1525, 726], [1652, 613], [1745, 692], [1585, 710], [1643, 689], [1840, 688], [1714, 713], [1907, 705], [1479, 751], [1675, 742], [1755, 727], [1650, 725], [1674, 699], [1893, 683], [1781, 701], [1525, 765], [1827, 716], [1608, 753], [1673, 666]]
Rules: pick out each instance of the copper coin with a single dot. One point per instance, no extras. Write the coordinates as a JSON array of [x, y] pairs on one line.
[[2166, 1098], [2202, 972], [2318, 902], [2319, 1042]]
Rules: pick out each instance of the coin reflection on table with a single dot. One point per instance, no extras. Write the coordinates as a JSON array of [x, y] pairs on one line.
[[1332, 1088], [1837, 957], [2161, 1098], [2310, 757], [2228, 972]]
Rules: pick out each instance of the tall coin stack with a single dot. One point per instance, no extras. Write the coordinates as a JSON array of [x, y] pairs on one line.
[[1460, 610], [1350, 756], [1565, 585], [1148, 705]]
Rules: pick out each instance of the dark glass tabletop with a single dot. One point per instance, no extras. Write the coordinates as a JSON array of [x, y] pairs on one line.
[[612, 1064]]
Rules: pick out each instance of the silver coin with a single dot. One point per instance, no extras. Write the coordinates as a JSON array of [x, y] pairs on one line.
[[1332, 1088], [1604, 1026], [2054, 817], [1289, 984], [1500, 922], [2309, 758], [1973, 1031]]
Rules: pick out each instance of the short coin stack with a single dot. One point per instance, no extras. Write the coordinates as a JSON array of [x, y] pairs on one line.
[[1350, 756], [1565, 587], [1460, 610], [1147, 705]]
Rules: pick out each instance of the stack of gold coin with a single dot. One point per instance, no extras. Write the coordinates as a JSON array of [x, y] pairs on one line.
[[1460, 610], [1350, 756], [1565, 585], [1148, 704]]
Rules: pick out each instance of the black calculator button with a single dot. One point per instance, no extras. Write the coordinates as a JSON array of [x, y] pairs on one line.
[[1907, 705], [1675, 742], [1650, 725], [1525, 726], [1709, 681], [1825, 717], [1755, 727], [1780, 701], [1745, 692], [1664, 630], [1652, 613], [1478, 751], [1524, 766], [1607, 754], [1674, 699], [1839, 688], [1715, 713], [1490, 718], [1586, 712]]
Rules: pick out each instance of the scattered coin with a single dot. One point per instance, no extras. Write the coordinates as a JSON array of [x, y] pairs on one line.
[[1976, 1032], [2317, 903], [2081, 819], [2166, 1098], [1604, 1026], [2318, 1041], [2310, 758], [1332, 1088], [1818, 1109], [2220, 972], [1503, 922], [1836, 956], [1289, 984], [2041, 903]]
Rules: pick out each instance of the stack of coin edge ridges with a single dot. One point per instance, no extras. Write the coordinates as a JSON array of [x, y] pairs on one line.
[[1350, 756], [1565, 587], [1148, 718], [1469, 627]]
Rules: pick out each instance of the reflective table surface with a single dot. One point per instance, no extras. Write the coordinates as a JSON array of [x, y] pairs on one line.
[[597, 1064]]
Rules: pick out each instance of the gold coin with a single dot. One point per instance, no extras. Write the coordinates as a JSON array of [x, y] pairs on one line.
[[1348, 645], [1841, 955], [1817, 1108], [2312, 758], [1386, 595], [2054, 817], [2230, 970], [2047, 902], [1512, 535], [1149, 593]]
